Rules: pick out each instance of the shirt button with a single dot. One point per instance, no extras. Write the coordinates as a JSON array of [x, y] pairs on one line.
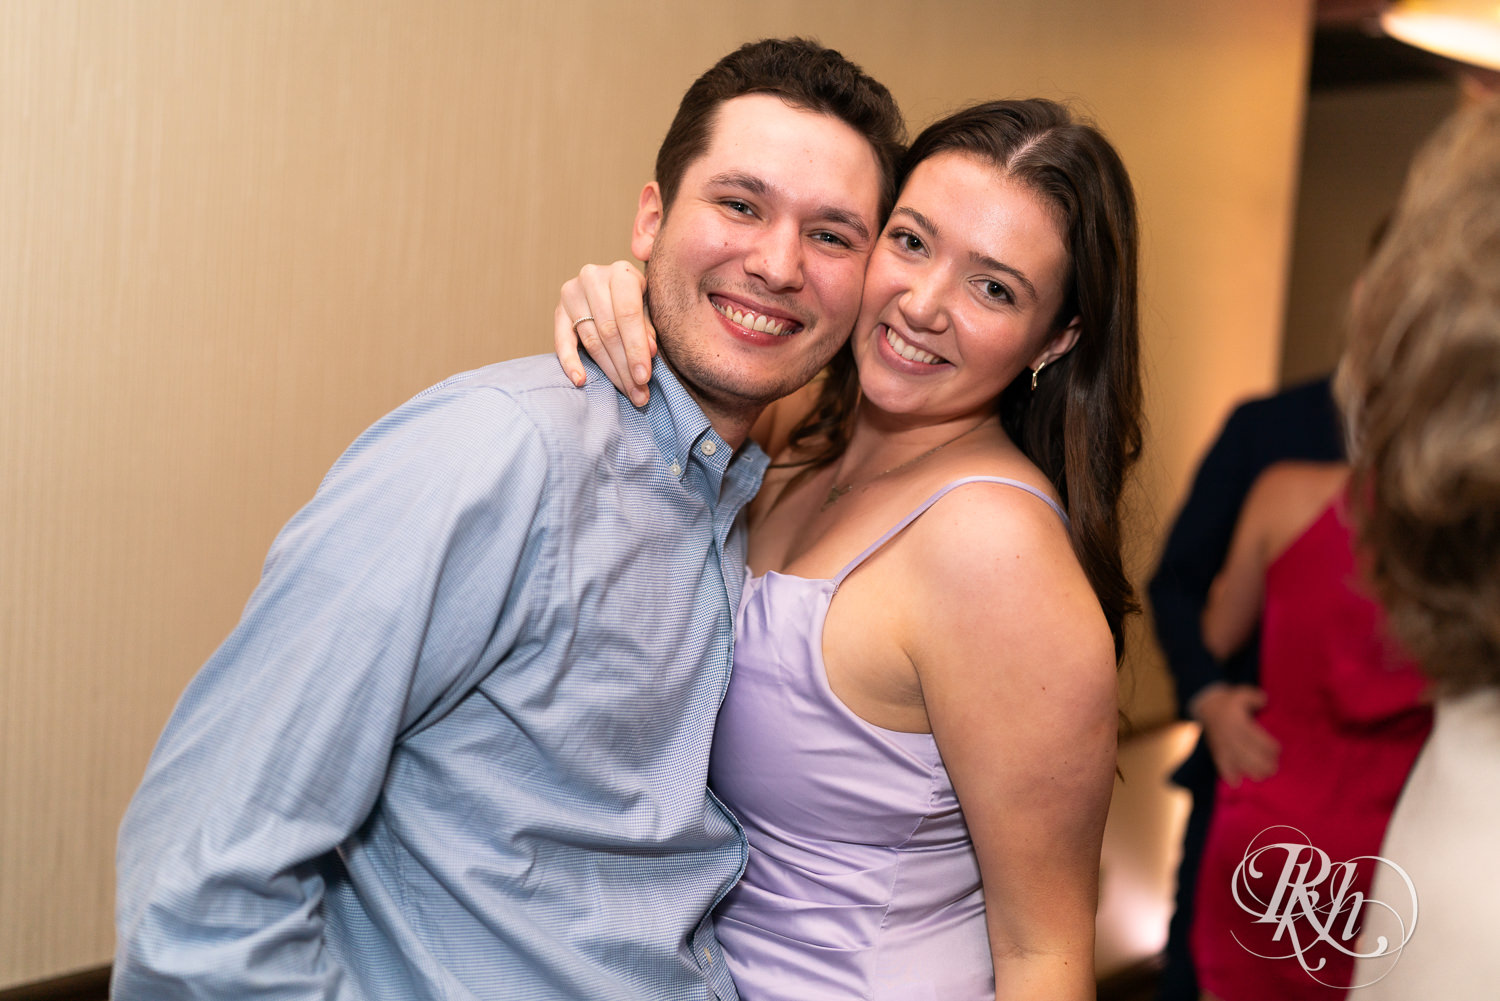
[[676, 468], [708, 447]]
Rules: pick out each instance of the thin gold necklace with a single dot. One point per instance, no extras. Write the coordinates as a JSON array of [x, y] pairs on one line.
[[837, 491]]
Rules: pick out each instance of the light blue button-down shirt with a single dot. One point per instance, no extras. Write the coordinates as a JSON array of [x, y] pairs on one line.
[[458, 745]]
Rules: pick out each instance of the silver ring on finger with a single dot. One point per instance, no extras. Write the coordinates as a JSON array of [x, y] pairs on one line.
[[581, 319]]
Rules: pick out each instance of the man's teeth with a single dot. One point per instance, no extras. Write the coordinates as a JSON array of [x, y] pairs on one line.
[[754, 321], [910, 351]]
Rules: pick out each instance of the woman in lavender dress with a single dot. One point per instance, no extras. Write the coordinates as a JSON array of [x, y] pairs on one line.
[[919, 734]]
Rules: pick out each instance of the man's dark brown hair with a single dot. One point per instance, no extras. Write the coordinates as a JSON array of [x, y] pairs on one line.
[[805, 75]]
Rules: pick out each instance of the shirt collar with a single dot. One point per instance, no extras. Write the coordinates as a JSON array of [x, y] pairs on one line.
[[683, 435]]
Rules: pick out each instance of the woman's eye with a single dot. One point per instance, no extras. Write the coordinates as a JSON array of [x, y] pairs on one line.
[[910, 242], [995, 290]]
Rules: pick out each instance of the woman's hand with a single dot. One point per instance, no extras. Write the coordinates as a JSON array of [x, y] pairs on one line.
[[604, 310]]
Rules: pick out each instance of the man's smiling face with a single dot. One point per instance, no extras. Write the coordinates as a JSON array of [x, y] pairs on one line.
[[755, 271]]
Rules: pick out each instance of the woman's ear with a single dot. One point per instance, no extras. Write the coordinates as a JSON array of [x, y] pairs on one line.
[[648, 219], [1061, 343]]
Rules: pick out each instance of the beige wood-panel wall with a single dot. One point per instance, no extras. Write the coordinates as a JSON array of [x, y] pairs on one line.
[[233, 233]]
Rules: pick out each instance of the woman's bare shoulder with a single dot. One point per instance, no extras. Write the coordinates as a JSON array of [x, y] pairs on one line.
[[1313, 482], [1287, 498], [1001, 558], [976, 517], [1005, 625]]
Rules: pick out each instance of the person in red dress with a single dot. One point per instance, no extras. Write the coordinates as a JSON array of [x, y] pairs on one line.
[[1277, 911]]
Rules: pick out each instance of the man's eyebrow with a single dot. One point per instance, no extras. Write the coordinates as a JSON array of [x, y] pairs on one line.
[[740, 179], [758, 186], [845, 218], [983, 260]]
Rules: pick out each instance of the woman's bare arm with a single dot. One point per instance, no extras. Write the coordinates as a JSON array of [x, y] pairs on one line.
[[1017, 671], [1281, 504]]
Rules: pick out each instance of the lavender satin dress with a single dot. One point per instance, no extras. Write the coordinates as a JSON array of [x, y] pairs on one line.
[[862, 881]]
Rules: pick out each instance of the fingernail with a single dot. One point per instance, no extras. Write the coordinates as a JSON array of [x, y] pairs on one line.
[[642, 374], [577, 377]]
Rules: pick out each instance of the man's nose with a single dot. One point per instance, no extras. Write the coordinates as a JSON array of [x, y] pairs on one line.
[[777, 258]]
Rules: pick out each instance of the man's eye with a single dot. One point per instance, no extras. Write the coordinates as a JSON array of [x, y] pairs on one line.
[[832, 239]]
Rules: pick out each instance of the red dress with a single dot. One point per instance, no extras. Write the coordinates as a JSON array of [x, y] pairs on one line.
[[1273, 916]]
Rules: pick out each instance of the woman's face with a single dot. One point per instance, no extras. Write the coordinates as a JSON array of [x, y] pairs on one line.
[[962, 293]]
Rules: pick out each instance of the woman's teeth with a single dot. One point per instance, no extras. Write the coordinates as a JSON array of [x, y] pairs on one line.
[[910, 351]]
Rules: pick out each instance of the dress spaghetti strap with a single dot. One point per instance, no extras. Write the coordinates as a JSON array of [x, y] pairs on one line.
[[941, 493]]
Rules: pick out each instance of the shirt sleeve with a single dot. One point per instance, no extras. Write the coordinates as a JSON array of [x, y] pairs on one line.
[[384, 596]]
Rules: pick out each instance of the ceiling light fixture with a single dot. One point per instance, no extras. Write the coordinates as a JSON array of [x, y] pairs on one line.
[[1465, 30]]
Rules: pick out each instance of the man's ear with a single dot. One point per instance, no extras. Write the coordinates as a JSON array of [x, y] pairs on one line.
[[648, 219], [1060, 344]]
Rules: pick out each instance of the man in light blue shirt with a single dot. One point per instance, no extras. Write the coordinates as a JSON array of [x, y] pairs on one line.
[[457, 747]]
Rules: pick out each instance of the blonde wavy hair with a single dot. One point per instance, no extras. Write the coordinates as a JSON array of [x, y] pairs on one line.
[[1420, 387]]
